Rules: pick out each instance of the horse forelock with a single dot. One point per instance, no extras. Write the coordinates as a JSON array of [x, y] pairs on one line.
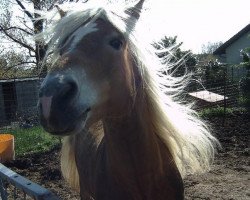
[[63, 28]]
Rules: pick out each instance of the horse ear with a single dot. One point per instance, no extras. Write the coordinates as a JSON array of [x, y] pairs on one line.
[[134, 13], [61, 12], [135, 10]]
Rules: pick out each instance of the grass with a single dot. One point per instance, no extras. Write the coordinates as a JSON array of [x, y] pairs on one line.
[[244, 101], [219, 112], [36, 140], [212, 112], [32, 140]]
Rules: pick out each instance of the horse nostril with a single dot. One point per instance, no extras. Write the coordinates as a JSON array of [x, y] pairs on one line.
[[61, 90], [88, 109], [69, 90]]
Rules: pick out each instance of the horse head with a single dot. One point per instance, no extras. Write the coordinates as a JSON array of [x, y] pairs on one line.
[[92, 77]]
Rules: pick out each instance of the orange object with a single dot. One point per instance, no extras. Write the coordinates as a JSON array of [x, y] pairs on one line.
[[7, 152]]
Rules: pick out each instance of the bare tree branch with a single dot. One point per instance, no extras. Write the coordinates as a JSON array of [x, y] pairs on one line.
[[16, 40], [24, 10], [16, 33], [16, 28], [52, 5], [30, 29], [18, 64]]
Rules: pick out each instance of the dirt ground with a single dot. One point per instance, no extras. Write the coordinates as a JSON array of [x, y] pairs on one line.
[[229, 177]]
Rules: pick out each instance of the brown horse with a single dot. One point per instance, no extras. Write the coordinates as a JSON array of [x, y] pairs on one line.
[[123, 137]]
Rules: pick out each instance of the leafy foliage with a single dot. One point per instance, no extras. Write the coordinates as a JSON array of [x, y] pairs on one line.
[[210, 47], [214, 73], [170, 51], [219, 112], [13, 65], [215, 112], [245, 81], [246, 59], [17, 30]]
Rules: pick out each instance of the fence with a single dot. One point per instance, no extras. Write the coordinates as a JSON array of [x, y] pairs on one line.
[[18, 101], [18, 108], [14, 186], [219, 89], [226, 94], [18, 97]]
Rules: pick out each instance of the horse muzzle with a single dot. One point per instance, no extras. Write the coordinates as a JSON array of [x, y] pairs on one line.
[[60, 110]]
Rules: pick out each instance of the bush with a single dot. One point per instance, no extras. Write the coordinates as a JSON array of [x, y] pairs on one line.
[[245, 82], [219, 112]]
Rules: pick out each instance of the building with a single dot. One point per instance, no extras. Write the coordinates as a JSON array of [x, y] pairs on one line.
[[18, 99], [229, 52]]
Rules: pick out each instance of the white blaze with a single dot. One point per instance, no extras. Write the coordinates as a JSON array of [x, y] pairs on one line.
[[81, 32]]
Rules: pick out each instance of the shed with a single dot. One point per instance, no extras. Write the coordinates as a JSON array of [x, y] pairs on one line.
[[229, 52], [18, 99]]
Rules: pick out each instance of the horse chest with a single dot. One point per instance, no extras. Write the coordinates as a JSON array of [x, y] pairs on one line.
[[108, 187]]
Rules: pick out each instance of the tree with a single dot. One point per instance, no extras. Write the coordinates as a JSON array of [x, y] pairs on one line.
[[210, 70], [183, 61], [245, 53], [210, 47], [9, 67], [245, 81], [17, 28]]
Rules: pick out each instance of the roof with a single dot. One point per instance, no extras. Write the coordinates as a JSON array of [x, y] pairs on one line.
[[19, 79], [222, 48]]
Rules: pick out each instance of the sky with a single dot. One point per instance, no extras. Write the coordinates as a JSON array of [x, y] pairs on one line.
[[197, 22]]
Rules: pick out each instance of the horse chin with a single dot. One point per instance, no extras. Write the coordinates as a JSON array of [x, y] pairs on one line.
[[67, 132], [71, 129]]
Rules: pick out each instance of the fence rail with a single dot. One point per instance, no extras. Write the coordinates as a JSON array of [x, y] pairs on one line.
[[21, 187]]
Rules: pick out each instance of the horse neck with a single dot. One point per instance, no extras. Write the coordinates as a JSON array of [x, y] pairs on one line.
[[134, 151]]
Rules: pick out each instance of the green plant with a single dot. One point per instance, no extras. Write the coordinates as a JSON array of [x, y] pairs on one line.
[[32, 140], [219, 112], [215, 112], [170, 51], [242, 101], [245, 81]]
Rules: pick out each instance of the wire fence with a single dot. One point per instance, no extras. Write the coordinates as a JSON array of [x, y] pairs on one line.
[[226, 94], [18, 102], [215, 86]]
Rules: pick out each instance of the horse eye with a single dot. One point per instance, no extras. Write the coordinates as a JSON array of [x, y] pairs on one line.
[[116, 44]]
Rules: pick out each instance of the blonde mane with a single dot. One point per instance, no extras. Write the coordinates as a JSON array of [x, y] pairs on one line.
[[184, 134]]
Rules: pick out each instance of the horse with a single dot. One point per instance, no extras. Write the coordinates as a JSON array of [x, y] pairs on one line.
[[125, 136]]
